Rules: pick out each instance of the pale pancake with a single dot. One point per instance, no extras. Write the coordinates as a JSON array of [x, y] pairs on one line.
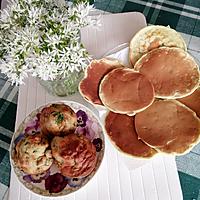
[[193, 101], [89, 86], [168, 126], [152, 37], [172, 71], [121, 130], [126, 91]]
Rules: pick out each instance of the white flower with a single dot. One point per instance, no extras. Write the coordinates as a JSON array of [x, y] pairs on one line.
[[34, 15], [15, 74], [42, 38]]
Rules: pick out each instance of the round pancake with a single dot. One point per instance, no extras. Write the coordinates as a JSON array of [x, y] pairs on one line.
[[126, 91], [152, 37], [192, 101], [120, 129], [172, 71], [168, 126], [89, 86]]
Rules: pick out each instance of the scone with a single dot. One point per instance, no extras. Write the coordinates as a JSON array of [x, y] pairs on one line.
[[58, 119], [75, 155], [31, 154], [152, 37]]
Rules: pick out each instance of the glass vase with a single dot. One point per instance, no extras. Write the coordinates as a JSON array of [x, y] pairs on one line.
[[63, 86]]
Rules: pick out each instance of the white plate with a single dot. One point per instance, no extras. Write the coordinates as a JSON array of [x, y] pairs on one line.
[[39, 188]]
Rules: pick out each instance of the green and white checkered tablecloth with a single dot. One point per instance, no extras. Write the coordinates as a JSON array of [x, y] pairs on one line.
[[182, 15]]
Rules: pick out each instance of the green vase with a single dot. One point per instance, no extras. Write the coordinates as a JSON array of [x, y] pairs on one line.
[[63, 86]]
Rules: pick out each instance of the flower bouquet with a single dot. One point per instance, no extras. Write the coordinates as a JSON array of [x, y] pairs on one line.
[[42, 39]]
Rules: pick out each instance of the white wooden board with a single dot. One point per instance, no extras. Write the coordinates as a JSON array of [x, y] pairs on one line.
[[157, 180], [114, 181]]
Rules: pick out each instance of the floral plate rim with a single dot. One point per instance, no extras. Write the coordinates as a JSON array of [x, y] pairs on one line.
[[30, 187]]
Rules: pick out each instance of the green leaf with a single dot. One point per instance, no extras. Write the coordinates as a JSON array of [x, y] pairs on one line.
[[59, 117], [2, 52], [80, 1]]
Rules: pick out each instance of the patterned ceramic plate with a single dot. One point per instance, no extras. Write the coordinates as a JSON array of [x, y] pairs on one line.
[[92, 130]]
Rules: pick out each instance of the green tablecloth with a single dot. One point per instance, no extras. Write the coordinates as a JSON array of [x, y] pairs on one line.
[[182, 15]]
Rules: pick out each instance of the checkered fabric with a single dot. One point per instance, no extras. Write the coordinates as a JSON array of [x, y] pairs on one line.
[[8, 106], [182, 15]]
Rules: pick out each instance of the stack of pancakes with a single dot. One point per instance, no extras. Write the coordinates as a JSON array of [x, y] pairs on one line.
[[154, 106]]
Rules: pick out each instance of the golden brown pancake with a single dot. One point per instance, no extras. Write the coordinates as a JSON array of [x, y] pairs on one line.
[[168, 126], [121, 130], [172, 71], [152, 37], [89, 86], [193, 101], [126, 91], [75, 155]]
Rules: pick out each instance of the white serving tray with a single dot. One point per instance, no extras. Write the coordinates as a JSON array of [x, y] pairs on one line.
[[158, 179]]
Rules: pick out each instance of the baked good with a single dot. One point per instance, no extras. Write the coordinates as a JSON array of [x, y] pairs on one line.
[[121, 130], [192, 101], [57, 119], [172, 71], [75, 155], [89, 86], [125, 91], [169, 126], [152, 37], [31, 154]]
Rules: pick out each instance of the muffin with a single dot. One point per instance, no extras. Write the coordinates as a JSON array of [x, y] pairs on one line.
[[32, 154], [75, 155], [58, 119]]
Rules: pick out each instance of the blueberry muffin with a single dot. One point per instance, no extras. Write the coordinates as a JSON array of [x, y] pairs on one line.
[[57, 120], [32, 154], [75, 155]]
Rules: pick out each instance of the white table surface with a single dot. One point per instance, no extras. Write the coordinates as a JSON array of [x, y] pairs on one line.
[[157, 180]]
